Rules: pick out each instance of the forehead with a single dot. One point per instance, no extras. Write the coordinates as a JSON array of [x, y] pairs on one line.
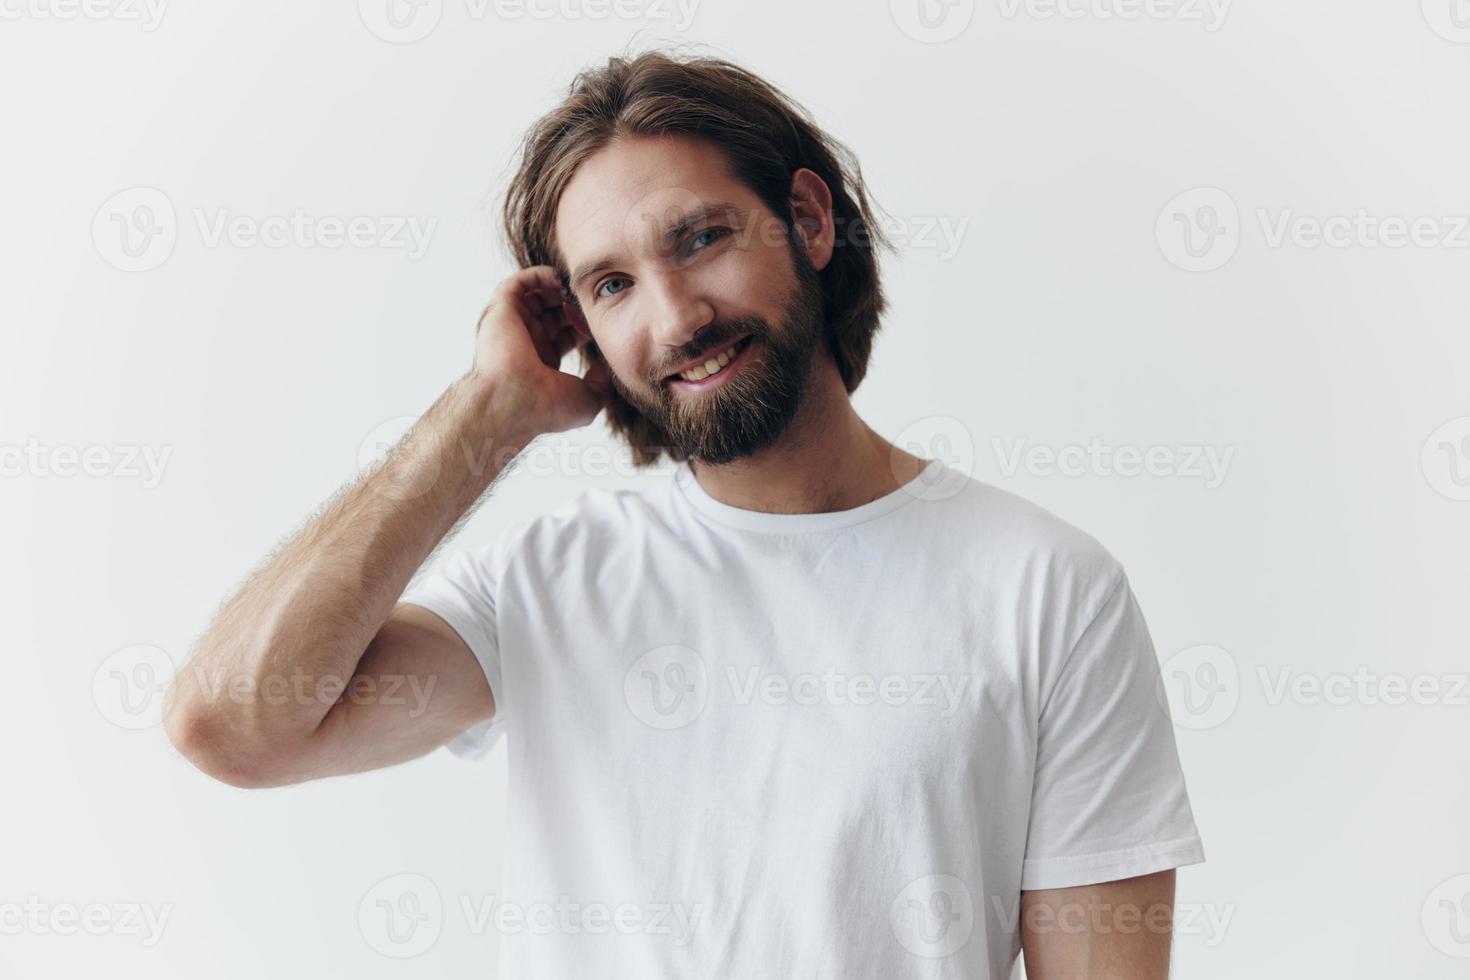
[[628, 189]]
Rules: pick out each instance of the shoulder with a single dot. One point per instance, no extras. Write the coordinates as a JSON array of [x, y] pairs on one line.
[[1019, 541], [596, 521]]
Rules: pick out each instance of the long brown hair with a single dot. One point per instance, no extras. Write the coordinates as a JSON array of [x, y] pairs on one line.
[[765, 136]]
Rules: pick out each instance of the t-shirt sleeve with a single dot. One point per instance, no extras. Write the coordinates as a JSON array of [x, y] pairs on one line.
[[1109, 798], [460, 589]]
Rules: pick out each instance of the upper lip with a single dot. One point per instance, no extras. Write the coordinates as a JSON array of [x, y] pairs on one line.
[[697, 362]]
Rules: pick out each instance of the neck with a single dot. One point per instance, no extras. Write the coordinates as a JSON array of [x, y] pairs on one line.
[[826, 460]]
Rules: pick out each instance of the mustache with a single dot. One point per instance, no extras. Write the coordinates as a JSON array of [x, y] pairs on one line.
[[713, 338]]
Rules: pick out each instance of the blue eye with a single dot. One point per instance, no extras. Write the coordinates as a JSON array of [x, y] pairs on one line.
[[599, 293], [717, 232], [698, 237]]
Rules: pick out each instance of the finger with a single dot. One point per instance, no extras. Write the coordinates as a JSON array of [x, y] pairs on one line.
[[531, 277], [566, 340], [552, 295], [531, 293], [576, 320], [566, 318], [511, 291], [543, 329]]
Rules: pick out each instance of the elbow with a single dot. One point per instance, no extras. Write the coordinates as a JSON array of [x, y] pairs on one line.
[[214, 748]]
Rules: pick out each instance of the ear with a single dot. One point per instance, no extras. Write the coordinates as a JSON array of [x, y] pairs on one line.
[[811, 215]]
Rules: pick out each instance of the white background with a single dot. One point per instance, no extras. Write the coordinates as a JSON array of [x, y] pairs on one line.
[[1330, 549]]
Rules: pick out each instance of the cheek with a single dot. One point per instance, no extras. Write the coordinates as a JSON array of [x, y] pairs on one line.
[[621, 356], [754, 281]]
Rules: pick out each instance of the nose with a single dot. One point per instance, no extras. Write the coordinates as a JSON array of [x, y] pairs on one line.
[[677, 311]]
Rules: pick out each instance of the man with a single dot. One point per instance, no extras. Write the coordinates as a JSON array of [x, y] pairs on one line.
[[811, 707]]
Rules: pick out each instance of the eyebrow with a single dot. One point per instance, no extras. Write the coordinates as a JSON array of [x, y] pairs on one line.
[[670, 235]]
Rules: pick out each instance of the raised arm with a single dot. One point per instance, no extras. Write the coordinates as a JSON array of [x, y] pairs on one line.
[[291, 681]]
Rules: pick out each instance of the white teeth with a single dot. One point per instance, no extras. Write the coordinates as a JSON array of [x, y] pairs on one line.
[[709, 367]]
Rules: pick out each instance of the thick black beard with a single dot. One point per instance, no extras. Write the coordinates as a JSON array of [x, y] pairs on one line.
[[749, 411]]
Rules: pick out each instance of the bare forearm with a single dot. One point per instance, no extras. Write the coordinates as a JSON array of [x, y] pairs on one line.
[[265, 701], [270, 667]]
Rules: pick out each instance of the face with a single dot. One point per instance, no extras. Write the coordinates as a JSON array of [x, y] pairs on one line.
[[708, 313]]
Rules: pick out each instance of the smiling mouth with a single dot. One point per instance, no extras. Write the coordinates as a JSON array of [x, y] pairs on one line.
[[713, 365]]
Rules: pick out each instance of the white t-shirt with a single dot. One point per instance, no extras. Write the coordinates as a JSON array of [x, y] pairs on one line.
[[833, 745]]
